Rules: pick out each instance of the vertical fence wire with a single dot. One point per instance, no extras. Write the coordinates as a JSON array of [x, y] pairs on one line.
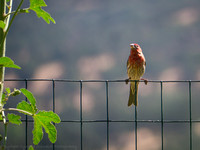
[[26, 118], [107, 115], [53, 95], [135, 128], [190, 113], [161, 102], [81, 114], [135, 113]]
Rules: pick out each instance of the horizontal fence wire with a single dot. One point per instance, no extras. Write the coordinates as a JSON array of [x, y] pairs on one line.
[[82, 121], [69, 80]]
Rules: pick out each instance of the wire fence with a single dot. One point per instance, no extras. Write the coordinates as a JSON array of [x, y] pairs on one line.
[[81, 121]]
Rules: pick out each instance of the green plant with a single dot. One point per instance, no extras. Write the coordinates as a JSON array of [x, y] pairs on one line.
[[42, 119]]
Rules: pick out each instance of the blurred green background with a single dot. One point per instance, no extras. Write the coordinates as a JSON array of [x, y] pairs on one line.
[[90, 40]]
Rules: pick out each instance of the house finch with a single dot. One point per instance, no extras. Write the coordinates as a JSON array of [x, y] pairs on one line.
[[135, 69]]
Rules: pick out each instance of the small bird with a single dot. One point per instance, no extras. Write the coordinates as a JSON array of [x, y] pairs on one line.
[[136, 64]]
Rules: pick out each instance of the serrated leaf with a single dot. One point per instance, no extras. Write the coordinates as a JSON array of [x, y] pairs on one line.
[[37, 3], [37, 131], [36, 6], [2, 24], [44, 119], [7, 62], [15, 119], [49, 116], [31, 99], [26, 107], [41, 13], [29, 95], [31, 148]]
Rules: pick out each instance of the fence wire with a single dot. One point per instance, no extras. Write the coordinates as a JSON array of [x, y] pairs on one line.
[[82, 121]]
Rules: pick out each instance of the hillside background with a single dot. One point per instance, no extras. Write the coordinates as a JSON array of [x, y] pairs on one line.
[[90, 40]]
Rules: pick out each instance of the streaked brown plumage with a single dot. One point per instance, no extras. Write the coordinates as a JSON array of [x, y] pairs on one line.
[[135, 69]]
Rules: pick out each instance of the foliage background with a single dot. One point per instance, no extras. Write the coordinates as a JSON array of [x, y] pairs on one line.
[[91, 41]]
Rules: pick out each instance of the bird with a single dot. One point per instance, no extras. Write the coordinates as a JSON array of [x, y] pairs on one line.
[[136, 65]]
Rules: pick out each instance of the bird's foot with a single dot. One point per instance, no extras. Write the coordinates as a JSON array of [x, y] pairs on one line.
[[145, 81], [127, 80]]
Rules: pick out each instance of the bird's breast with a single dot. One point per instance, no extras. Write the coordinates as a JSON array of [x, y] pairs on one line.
[[136, 60], [136, 66]]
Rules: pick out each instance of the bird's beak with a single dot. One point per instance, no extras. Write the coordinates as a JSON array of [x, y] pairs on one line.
[[132, 45]]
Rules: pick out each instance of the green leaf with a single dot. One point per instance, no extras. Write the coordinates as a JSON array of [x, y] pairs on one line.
[[26, 107], [31, 99], [4, 97], [36, 5], [24, 11], [1, 118], [31, 148], [8, 90], [2, 24], [41, 13], [7, 62], [44, 119], [15, 92], [15, 119], [37, 131]]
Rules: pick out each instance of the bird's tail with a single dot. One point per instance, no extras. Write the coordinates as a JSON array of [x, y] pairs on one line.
[[133, 96]]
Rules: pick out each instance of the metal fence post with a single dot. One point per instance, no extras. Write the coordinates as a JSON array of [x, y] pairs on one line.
[[190, 112], [161, 99], [53, 88], [107, 115], [81, 114], [136, 114], [26, 118]]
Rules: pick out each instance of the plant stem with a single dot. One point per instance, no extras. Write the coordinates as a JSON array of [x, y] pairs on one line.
[[9, 12], [5, 138], [2, 69], [3, 34], [11, 21], [2, 46], [5, 123], [19, 110], [5, 129]]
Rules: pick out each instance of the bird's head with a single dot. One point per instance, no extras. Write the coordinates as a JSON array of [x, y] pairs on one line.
[[135, 47]]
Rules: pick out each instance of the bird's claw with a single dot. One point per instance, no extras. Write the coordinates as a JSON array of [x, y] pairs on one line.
[[145, 81], [127, 80]]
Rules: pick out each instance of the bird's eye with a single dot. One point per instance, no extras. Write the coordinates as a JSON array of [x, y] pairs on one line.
[[136, 46]]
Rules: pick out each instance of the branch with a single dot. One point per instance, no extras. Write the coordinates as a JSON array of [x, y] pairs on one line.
[[25, 10], [11, 21], [8, 19], [19, 110], [4, 117]]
